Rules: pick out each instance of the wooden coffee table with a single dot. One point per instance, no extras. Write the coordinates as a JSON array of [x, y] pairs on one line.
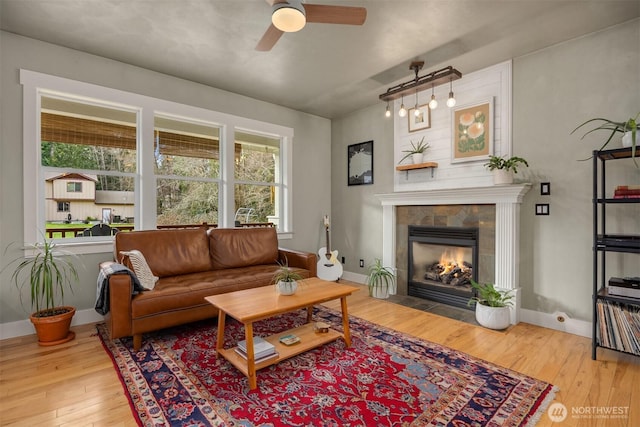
[[250, 305]]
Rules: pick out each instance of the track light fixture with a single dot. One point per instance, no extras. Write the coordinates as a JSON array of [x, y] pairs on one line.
[[436, 78]]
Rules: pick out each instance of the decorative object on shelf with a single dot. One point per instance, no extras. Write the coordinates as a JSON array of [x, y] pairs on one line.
[[492, 306], [503, 169], [286, 280], [628, 129], [472, 132], [416, 152], [380, 280], [430, 80], [47, 271], [421, 120], [360, 163]]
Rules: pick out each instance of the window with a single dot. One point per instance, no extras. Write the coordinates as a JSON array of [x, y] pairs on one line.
[[187, 166], [147, 161], [74, 187]]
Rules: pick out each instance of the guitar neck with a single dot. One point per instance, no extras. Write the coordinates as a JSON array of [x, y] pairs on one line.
[[328, 241]]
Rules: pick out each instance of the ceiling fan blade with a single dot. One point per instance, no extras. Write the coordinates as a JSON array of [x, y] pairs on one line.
[[269, 39], [325, 14]]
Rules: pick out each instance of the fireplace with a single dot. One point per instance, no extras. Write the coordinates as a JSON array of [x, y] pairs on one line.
[[498, 245], [442, 261]]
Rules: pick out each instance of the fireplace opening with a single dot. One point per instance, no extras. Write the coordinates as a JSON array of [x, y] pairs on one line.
[[442, 263]]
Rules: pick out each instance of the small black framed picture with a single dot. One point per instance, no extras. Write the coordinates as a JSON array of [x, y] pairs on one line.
[[360, 163]]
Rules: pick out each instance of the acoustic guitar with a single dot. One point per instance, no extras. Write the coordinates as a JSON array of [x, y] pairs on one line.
[[329, 268]]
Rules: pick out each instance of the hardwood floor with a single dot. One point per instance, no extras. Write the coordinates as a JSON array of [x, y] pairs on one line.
[[75, 384]]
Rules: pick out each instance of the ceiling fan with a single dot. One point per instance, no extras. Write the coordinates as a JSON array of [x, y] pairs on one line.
[[289, 16]]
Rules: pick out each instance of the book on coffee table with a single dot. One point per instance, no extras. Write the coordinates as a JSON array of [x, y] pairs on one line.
[[261, 348], [257, 359]]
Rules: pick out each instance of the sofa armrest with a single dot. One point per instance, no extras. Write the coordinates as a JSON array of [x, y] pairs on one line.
[[119, 317], [300, 259]]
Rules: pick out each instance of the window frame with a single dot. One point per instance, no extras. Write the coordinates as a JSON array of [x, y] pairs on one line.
[[35, 85]]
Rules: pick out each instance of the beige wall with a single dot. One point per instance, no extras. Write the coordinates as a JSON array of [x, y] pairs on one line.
[[554, 89], [312, 141]]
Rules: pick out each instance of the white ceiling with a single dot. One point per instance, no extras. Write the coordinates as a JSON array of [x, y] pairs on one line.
[[327, 70]]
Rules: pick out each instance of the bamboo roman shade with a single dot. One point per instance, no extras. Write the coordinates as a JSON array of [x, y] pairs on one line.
[[75, 130]]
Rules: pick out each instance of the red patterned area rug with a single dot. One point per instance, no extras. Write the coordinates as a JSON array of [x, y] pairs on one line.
[[385, 378]]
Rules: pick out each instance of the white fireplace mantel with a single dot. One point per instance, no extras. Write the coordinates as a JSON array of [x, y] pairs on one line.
[[506, 198]]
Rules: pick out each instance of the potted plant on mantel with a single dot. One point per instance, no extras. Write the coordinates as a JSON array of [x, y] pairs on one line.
[[416, 152], [503, 169], [492, 306], [629, 130], [286, 280], [48, 271], [380, 280]]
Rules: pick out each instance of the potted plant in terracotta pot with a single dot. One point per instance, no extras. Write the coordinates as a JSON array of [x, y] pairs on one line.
[[47, 271], [503, 169], [628, 129], [416, 152], [492, 306], [286, 280], [380, 280]]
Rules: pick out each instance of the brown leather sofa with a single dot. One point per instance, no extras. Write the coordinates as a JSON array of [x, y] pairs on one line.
[[192, 264]]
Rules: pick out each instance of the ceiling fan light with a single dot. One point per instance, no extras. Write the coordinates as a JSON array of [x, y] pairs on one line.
[[288, 17]]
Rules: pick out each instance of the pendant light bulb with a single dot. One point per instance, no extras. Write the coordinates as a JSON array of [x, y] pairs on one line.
[[433, 104], [387, 112], [403, 111], [451, 101]]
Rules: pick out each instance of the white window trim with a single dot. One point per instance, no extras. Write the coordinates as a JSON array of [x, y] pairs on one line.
[[36, 84]]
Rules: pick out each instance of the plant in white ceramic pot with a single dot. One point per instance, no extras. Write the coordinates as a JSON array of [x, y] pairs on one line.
[[416, 152], [47, 271], [492, 306], [503, 168], [628, 129], [286, 280], [380, 280]]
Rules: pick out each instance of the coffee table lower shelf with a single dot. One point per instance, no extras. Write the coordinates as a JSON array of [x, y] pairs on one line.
[[308, 339]]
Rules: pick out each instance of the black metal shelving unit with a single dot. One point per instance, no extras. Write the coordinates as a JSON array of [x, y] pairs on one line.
[[604, 243]]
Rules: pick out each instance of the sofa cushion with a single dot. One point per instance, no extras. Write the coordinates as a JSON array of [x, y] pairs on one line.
[[168, 252], [241, 247]]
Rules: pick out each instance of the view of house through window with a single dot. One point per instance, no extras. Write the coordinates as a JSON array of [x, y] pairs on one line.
[[89, 163], [88, 157]]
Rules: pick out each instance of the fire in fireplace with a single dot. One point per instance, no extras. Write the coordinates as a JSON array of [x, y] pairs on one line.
[[442, 263]]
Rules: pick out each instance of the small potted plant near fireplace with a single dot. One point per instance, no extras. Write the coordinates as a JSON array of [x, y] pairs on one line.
[[47, 271], [380, 280], [416, 152], [492, 306], [286, 280], [503, 169]]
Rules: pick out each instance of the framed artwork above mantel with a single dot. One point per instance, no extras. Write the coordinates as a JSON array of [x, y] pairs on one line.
[[472, 132]]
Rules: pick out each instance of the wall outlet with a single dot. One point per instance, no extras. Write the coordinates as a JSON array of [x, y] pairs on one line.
[[361, 263]]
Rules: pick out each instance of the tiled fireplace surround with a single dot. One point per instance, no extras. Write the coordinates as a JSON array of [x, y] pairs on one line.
[[495, 210]]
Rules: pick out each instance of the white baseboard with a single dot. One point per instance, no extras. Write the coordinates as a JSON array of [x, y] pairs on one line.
[[354, 277], [21, 328], [559, 321]]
